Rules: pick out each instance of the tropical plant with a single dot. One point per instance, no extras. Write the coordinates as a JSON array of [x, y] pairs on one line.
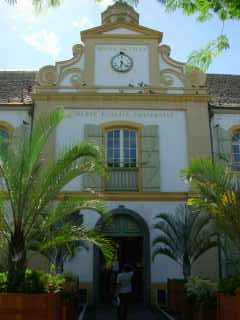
[[29, 209], [229, 285], [36, 282], [58, 255], [184, 236], [217, 191], [202, 292]]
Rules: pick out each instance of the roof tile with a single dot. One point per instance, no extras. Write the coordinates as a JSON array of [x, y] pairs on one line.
[[16, 86]]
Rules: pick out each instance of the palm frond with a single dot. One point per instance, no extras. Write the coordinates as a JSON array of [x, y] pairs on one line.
[[163, 240], [184, 235], [30, 216], [218, 193], [66, 207], [165, 252], [203, 247]]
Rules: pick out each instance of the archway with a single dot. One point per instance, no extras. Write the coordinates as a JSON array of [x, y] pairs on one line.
[[131, 232]]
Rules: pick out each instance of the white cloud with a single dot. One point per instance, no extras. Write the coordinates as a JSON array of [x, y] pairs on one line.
[[44, 41], [82, 23]]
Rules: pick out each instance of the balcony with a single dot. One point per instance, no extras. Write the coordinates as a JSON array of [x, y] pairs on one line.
[[235, 166], [122, 179]]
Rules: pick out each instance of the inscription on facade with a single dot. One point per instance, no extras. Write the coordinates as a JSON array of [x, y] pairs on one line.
[[124, 115], [122, 48]]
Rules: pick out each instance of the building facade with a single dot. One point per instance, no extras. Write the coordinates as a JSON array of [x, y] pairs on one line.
[[122, 90]]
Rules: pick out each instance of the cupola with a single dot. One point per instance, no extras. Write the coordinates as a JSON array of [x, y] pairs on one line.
[[120, 12]]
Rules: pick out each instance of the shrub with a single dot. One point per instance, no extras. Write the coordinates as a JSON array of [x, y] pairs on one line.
[[36, 282], [3, 281], [201, 291], [53, 282], [33, 282], [229, 285]]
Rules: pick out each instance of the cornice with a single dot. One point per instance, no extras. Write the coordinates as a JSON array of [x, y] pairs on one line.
[[115, 97], [226, 111], [129, 196], [16, 106], [97, 32]]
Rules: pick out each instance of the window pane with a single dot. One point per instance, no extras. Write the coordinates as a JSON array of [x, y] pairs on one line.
[[117, 139], [121, 148], [236, 157], [129, 148], [110, 134], [236, 149], [133, 153], [126, 133], [110, 143], [4, 135], [236, 137]]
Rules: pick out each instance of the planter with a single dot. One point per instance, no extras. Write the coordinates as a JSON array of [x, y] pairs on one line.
[[205, 314], [68, 310], [18, 306], [228, 306], [188, 309], [177, 301]]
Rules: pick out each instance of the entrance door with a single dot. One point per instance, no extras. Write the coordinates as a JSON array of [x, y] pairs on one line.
[[129, 251], [131, 235]]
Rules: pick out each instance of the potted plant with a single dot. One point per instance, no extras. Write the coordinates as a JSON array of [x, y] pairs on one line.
[[229, 298], [70, 300], [39, 297], [203, 294], [184, 237]]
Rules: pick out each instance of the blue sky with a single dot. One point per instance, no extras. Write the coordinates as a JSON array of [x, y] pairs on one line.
[[30, 40]]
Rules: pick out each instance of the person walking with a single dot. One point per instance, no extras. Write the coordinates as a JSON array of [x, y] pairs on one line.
[[124, 290]]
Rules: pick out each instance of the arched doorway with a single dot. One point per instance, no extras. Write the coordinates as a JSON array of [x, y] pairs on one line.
[[131, 234]]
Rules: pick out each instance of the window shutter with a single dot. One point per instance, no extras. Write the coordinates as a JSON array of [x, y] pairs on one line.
[[92, 134], [150, 158], [224, 144]]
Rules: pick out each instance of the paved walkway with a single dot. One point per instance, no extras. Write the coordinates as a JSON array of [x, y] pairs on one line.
[[135, 313]]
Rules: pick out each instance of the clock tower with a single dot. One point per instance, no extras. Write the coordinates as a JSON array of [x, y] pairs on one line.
[[120, 12], [121, 53]]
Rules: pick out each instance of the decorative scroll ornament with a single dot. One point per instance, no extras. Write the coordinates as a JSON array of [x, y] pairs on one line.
[[166, 80], [166, 50], [47, 75], [194, 77], [77, 50]]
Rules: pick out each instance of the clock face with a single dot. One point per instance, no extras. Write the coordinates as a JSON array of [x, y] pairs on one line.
[[122, 62]]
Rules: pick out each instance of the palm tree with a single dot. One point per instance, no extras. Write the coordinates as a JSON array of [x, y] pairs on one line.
[[218, 191], [184, 236], [29, 209], [58, 255]]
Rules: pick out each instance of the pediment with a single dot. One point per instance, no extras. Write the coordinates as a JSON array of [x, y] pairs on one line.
[[121, 29]]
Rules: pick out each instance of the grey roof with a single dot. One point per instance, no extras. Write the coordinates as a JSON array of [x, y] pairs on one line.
[[16, 87], [224, 89]]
